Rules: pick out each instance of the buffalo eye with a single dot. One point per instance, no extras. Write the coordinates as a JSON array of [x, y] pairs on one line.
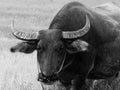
[[59, 48], [40, 46]]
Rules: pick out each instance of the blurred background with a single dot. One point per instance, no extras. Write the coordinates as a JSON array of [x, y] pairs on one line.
[[19, 71]]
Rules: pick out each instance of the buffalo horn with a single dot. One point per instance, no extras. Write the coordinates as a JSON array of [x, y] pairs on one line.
[[23, 35], [77, 33]]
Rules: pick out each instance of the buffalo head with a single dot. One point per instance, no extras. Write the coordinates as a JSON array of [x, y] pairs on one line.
[[51, 48]]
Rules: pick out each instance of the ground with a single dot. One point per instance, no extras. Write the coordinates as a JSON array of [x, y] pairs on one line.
[[19, 71]]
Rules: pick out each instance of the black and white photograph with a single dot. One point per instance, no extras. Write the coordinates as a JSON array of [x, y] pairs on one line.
[[59, 44]]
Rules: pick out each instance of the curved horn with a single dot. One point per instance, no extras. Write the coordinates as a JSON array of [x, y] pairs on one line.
[[23, 35], [78, 33]]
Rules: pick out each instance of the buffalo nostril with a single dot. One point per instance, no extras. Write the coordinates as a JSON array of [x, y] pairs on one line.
[[12, 50]]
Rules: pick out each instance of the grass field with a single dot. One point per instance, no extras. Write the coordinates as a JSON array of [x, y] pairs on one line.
[[19, 71]]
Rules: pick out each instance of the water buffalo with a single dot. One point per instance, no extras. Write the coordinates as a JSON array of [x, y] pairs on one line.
[[81, 43]]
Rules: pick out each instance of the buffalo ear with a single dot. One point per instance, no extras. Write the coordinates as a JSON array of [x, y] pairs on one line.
[[78, 46], [25, 47]]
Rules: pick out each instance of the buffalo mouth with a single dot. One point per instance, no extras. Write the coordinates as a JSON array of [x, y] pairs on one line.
[[52, 78], [47, 79]]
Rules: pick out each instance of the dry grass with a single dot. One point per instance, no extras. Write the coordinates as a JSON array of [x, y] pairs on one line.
[[19, 71]]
